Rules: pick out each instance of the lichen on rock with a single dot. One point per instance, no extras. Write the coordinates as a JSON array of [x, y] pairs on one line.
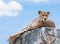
[[44, 35]]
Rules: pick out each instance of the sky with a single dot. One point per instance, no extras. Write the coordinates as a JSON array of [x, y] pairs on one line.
[[16, 14]]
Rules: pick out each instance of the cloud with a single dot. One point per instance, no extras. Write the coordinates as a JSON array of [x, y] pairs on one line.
[[36, 0], [10, 9]]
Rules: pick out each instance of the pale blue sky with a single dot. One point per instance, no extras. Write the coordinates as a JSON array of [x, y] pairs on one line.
[[16, 14]]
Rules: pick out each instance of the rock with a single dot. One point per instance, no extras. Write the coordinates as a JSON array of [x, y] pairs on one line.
[[44, 35]]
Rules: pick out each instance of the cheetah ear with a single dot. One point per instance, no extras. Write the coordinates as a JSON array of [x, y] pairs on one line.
[[48, 12], [39, 12]]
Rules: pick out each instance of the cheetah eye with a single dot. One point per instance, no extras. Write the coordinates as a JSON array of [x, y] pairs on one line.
[[46, 15], [42, 15]]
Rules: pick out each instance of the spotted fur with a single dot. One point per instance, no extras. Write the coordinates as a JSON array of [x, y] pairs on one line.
[[36, 23]]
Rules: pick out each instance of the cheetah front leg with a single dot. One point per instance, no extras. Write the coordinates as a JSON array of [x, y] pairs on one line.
[[10, 38]]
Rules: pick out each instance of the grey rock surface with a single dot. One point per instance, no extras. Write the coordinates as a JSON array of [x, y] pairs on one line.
[[38, 36]]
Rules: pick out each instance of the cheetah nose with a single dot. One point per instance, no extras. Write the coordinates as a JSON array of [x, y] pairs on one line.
[[44, 19]]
